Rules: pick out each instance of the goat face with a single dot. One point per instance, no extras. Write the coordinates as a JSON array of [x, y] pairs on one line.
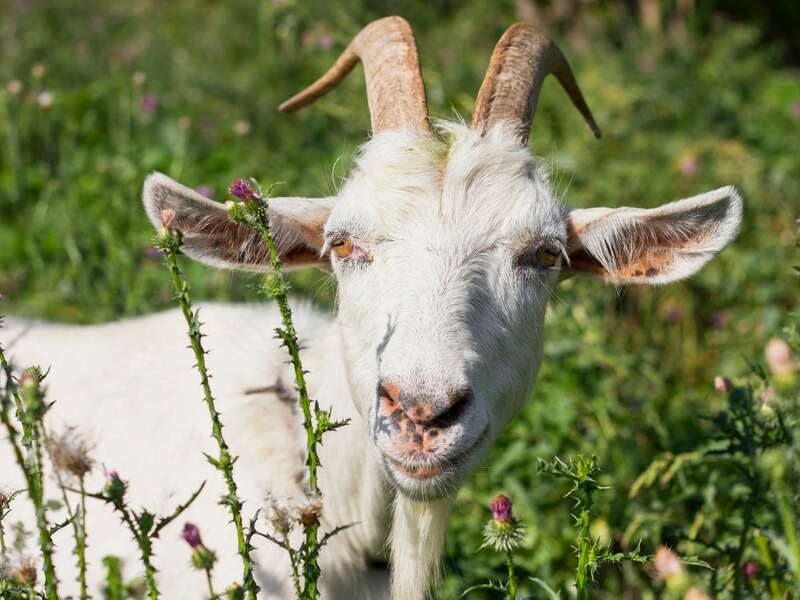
[[445, 253], [446, 246]]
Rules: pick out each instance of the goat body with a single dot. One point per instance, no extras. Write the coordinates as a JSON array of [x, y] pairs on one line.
[[446, 244]]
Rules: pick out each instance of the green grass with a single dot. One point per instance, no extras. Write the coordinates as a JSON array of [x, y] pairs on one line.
[[627, 373]]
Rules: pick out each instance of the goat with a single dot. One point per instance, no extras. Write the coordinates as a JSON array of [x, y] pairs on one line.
[[446, 242]]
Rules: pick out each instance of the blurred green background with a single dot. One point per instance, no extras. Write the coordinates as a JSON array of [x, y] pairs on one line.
[[690, 96]]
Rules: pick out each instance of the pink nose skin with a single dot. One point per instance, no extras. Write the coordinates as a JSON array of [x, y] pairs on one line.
[[413, 422]]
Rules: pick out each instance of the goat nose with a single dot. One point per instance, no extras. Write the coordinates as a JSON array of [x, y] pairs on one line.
[[427, 410]]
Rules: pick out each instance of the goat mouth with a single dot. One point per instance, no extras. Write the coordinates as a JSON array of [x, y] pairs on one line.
[[432, 469]]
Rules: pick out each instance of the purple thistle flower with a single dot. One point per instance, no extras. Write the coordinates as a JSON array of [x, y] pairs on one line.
[[192, 535], [148, 103], [749, 570], [501, 508], [205, 190], [241, 189]]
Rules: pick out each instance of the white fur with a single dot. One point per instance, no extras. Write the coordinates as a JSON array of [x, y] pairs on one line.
[[441, 294]]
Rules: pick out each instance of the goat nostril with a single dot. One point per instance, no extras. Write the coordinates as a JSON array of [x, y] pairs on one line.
[[459, 402]]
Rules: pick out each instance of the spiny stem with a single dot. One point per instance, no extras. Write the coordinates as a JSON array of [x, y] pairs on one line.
[[512, 579], [31, 470], [170, 243]]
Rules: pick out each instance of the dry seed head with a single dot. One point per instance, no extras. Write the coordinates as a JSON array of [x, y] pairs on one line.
[[70, 453], [310, 511], [25, 572], [277, 515]]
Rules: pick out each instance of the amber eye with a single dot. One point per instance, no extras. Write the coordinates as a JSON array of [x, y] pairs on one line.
[[547, 255], [342, 248]]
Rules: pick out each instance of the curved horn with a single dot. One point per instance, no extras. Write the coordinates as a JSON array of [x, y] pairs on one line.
[[523, 57], [395, 91]]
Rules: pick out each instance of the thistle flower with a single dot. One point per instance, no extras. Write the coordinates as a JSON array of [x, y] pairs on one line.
[[722, 384], [203, 559], [505, 531], [667, 564], [192, 535], [115, 488], [148, 103], [242, 190], [749, 570], [167, 217]]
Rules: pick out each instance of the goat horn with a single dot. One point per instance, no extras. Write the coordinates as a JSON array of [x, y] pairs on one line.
[[523, 57], [395, 91]]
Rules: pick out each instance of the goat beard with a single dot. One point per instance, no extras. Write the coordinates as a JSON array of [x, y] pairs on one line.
[[417, 543]]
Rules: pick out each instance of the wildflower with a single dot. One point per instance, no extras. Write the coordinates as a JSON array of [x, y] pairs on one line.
[[667, 564], [148, 103], [167, 216], [779, 358], [241, 127], [69, 454], [115, 488], [749, 570], [234, 592], [13, 88], [505, 531], [325, 42], [44, 100], [31, 392], [722, 384], [310, 511], [38, 70], [154, 253], [229, 204], [501, 509], [184, 123], [695, 594], [205, 190], [138, 80], [242, 190], [192, 535], [202, 558], [689, 166]]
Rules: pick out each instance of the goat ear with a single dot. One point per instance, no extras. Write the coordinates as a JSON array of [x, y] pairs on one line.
[[659, 245], [210, 237]]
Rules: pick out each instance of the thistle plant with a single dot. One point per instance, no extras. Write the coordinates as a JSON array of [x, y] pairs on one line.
[[581, 472], [143, 525], [251, 210], [504, 532], [169, 242], [29, 401], [203, 559], [70, 457]]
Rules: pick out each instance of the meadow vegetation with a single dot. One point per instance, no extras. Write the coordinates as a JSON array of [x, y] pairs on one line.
[[94, 96]]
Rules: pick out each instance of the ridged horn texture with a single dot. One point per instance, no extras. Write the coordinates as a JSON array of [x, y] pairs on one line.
[[523, 57], [395, 91]]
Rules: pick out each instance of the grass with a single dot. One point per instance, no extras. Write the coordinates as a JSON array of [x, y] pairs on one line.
[[110, 92]]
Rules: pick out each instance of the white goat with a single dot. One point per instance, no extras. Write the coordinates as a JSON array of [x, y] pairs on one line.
[[446, 245]]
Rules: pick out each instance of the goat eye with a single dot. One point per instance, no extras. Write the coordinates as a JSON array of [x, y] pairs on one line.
[[342, 248], [547, 255]]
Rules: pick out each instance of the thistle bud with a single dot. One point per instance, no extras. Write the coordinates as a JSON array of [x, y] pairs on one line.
[[202, 558], [115, 488], [242, 190], [504, 531]]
